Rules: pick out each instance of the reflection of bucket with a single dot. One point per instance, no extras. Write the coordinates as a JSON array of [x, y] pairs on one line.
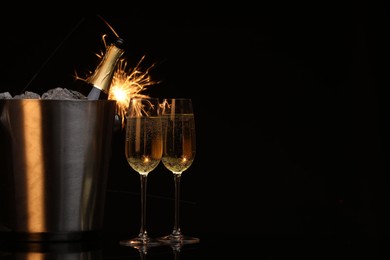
[[54, 157], [83, 250]]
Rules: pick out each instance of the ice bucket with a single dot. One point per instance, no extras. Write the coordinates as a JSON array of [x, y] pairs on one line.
[[54, 161]]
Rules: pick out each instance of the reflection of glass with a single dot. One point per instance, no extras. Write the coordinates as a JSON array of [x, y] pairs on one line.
[[143, 150], [142, 250], [179, 150], [176, 250]]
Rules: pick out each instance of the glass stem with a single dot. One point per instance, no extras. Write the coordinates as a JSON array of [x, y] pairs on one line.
[[176, 254], [176, 228], [142, 233], [176, 250]]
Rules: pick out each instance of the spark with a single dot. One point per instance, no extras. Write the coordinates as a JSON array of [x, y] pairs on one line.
[[128, 83], [98, 55], [109, 26]]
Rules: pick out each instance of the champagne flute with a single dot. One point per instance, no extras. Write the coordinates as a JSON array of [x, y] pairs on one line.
[[143, 150], [179, 148]]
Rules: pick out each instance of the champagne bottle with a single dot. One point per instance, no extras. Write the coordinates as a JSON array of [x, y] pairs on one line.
[[97, 86]]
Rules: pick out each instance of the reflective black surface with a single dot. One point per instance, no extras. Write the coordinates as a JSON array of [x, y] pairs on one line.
[[122, 222], [212, 246]]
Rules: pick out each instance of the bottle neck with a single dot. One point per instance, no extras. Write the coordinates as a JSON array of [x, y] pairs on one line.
[[102, 76]]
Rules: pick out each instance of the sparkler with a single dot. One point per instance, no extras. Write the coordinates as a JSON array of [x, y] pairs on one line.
[[129, 83]]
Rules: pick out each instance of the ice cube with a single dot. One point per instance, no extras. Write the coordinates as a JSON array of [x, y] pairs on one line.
[[62, 93], [28, 95], [5, 95]]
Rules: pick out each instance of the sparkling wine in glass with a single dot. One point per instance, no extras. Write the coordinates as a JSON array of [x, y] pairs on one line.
[[179, 148], [143, 150]]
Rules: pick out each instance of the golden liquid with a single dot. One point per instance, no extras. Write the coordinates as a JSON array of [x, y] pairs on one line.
[[143, 145], [179, 142]]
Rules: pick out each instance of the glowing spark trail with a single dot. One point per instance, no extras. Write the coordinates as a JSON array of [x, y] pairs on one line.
[[128, 83]]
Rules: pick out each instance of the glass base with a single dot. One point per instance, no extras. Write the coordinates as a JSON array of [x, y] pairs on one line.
[[178, 239], [138, 241]]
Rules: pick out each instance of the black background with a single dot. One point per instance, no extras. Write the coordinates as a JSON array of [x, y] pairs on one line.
[[291, 104]]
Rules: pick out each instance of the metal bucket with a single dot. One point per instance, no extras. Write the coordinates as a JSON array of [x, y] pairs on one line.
[[54, 160]]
